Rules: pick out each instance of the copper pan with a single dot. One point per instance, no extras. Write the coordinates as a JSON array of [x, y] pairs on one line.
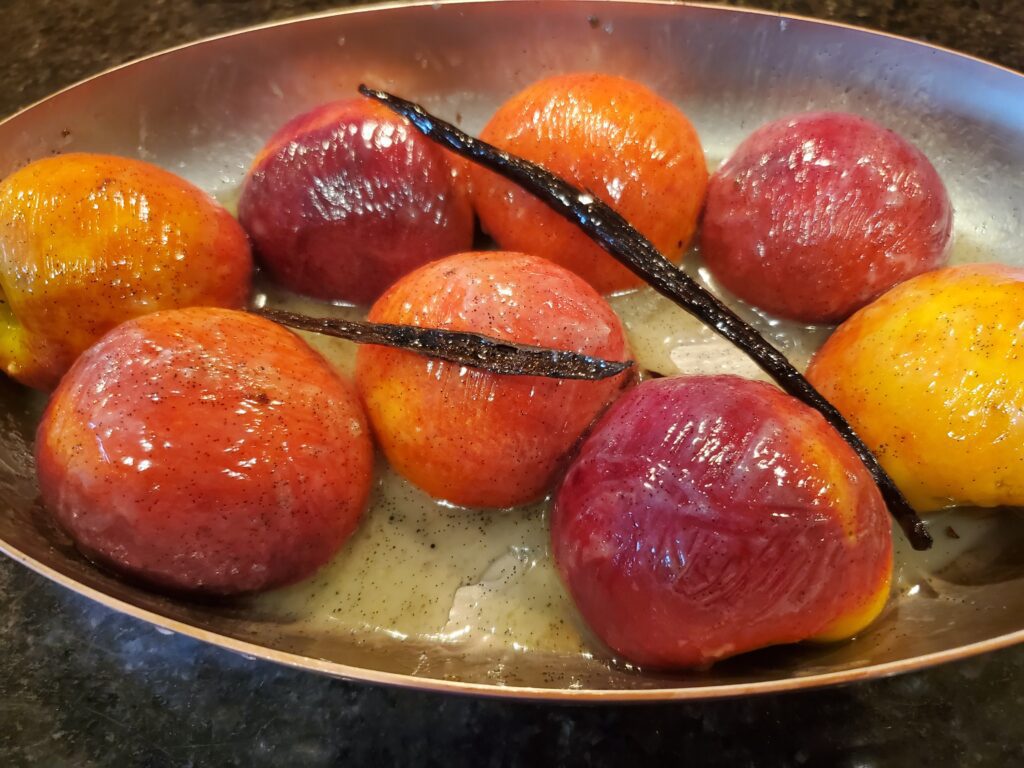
[[202, 110]]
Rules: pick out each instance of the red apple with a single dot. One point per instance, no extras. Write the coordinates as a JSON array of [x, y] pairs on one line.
[[706, 516], [205, 450], [344, 200], [815, 216]]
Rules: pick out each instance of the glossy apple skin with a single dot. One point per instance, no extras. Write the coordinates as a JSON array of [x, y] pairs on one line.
[[816, 215], [347, 198], [931, 376], [608, 136], [471, 437], [205, 451], [89, 241], [707, 516]]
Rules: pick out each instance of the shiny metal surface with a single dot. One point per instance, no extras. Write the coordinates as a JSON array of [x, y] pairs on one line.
[[203, 110]]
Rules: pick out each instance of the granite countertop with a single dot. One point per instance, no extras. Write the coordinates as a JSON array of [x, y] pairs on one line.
[[81, 685]]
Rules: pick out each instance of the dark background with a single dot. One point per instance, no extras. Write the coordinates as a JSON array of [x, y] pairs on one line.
[[83, 686]]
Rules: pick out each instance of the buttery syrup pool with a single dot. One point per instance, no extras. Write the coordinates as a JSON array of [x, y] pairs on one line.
[[482, 582]]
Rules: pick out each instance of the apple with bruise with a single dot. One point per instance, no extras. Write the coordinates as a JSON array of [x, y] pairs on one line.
[[816, 215], [89, 241], [472, 437], [206, 451], [347, 198], [613, 138], [706, 516], [931, 376]]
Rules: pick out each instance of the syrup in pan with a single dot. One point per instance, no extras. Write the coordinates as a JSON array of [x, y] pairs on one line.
[[482, 581]]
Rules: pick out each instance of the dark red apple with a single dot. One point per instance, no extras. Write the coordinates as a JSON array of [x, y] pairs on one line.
[[706, 516], [347, 198], [815, 216]]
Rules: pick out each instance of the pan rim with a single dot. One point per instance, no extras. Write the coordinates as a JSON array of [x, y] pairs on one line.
[[428, 684]]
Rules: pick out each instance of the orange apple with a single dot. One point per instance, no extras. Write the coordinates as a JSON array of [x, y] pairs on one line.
[[88, 241], [472, 437], [613, 138], [931, 376]]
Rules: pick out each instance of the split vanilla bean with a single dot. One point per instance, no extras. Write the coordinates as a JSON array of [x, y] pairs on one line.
[[472, 350], [620, 239]]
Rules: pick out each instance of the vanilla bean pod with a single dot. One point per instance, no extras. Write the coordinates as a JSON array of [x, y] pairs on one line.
[[472, 350], [613, 233]]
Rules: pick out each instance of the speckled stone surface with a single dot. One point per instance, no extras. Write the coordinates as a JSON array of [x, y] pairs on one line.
[[83, 686]]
